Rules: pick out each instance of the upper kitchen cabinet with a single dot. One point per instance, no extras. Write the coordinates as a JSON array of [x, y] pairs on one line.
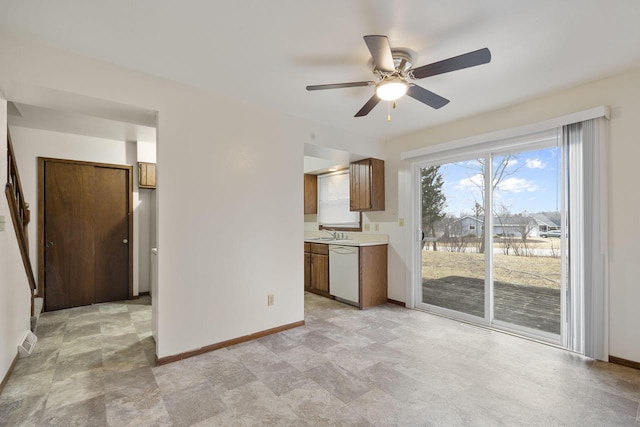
[[366, 179], [310, 194], [146, 175]]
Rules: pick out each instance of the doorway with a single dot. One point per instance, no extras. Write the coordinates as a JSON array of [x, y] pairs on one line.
[[85, 233], [494, 238]]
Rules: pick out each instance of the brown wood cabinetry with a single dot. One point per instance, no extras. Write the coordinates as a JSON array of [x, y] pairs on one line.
[[373, 275], [146, 175], [310, 194], [366, 181], [372, 272], [316, 268], [307, 266]]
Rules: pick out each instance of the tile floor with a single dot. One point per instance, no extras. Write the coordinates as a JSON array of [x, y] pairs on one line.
[[93, 366]]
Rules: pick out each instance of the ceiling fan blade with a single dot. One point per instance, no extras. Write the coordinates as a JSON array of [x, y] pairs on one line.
[[466, 60], [372, 102], [427, 97], [381, 52], [340, 85]]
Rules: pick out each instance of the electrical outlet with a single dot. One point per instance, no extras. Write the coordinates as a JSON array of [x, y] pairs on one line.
[[400, 222], [270, 300], [367, 227], [377, 227]]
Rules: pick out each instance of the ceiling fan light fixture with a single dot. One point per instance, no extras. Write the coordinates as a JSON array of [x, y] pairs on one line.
[[391, 89]]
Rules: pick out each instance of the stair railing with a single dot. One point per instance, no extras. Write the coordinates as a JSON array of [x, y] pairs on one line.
[[20, 214]]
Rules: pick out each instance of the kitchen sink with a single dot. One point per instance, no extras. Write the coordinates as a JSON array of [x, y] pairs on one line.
[[328, 239]]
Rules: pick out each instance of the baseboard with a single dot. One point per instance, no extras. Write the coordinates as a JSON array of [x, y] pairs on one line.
[[392, 301], [9, 371], [321, 293], [228, 343], [624, 362]]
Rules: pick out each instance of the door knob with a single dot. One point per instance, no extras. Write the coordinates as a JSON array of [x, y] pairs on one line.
[[125, 241], [49, 244]]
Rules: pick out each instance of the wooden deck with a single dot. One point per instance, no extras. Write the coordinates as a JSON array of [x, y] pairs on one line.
[[530, 306]]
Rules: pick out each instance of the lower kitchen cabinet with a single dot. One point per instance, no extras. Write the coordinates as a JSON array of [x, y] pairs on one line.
[[307, 265], [316, 268], [372, 273]]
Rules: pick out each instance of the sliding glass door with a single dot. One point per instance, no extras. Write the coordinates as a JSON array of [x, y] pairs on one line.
[[452, 222], [527, 240], [493, 239]]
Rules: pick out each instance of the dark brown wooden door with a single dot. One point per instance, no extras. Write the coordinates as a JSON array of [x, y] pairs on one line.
[[87, 233], [68, 238], [111, 234]]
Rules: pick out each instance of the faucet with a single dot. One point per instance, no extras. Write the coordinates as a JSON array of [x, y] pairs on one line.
[[333, 233]]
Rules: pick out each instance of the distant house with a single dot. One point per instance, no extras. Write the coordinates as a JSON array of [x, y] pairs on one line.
[[514, 226], [546, 222], [507, 226], [465, 226]]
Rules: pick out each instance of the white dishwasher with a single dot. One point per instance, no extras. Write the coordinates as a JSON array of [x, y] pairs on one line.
[[344, 262]]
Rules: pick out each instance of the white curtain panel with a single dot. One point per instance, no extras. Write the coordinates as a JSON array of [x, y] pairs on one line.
[[587, 300]]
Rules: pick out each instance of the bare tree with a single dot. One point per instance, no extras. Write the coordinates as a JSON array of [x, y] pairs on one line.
[[525, 225], [503, 213], [515, 231], [454, 238], [501, 171]]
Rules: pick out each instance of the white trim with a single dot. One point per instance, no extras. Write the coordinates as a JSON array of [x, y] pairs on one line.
[[543, 139], [405, 186], [489, 286], [593, 113], [604, 142]]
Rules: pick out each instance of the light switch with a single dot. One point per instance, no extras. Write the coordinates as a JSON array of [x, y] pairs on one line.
[[1, 222], [400, 222]]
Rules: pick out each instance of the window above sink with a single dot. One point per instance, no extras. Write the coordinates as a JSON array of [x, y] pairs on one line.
[[333, 203]]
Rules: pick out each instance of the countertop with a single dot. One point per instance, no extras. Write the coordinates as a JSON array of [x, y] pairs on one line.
[[353, 239]]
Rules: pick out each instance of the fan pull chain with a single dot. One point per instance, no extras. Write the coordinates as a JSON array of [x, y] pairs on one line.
[[391, 104]]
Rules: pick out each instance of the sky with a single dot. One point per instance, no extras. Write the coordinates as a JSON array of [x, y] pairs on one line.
[[531, 183]]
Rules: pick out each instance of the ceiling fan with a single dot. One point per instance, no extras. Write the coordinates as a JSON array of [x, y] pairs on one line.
[[394, 72]]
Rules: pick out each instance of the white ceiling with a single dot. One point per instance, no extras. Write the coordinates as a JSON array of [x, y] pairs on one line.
[[54, 119], [268, 51]]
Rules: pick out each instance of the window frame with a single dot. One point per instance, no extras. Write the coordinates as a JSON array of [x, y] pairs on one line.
[[357, 228]]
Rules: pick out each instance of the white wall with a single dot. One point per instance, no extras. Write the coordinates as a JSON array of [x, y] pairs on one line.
[[144, 239], [15, 302], [216, 172], [146, 220], [622, 94], [29, 144], [229, 196]]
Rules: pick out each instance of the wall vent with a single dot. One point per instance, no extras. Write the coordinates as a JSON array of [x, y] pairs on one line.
[[27, 345]]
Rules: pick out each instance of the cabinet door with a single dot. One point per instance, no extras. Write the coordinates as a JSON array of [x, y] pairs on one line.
[[366, 181], [373, 275], [307, 270], [310, 194], [359, 182], [320, 272], [147, 175]]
